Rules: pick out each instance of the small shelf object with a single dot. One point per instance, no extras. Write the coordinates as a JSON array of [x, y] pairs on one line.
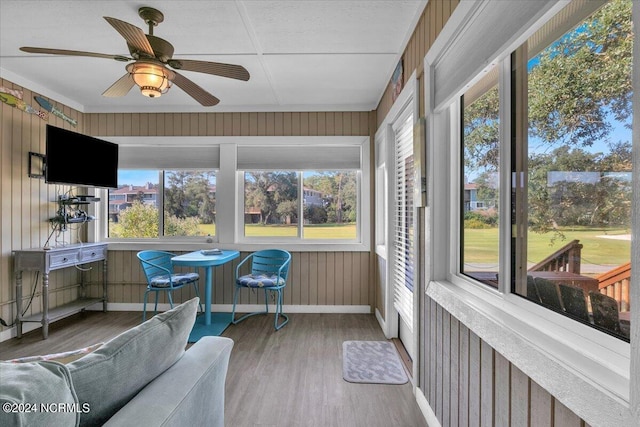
[[70, 210], [47, 260]]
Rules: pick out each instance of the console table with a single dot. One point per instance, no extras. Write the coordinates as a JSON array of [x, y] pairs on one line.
[[46, 260]]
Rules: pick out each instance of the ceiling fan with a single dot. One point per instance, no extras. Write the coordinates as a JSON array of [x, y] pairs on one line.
[[152, 58]]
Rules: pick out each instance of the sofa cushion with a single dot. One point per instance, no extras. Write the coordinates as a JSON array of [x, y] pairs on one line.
[[64, 357], [110, 376], [37, 394]]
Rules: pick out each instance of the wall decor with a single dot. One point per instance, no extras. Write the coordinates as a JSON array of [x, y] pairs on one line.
[[397, 81], [51, 108], [13, 97]]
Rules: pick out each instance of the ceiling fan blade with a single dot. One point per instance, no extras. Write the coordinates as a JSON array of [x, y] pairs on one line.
[[120, 88], [73, 53], [216, 68], [195, 91], [133, 35]]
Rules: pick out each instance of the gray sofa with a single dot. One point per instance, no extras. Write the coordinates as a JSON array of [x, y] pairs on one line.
[[142, 377], [189, 393]]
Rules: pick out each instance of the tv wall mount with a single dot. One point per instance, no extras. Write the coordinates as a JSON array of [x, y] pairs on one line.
[[39, 162]]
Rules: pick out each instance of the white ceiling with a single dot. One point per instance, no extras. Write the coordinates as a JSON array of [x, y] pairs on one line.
[[303, 55]]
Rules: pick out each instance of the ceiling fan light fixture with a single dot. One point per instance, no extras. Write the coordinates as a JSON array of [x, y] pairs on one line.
[[153, 79]]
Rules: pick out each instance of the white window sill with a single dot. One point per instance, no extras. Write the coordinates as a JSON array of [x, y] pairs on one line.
[[587, 370]]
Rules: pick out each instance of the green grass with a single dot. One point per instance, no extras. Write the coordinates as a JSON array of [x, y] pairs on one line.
[[320, 231], [481, 245], [207, 229]]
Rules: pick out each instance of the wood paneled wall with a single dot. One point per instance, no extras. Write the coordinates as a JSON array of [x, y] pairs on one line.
[[468, 383], [434, 17], [315, 278], [26, 203], [349, 123]]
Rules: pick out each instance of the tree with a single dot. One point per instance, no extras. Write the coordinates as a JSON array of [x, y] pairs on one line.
[[340, 194], [577, 87], [138, 221], [265, 191], [481, 131], [574, 85], [597, 195], [580, 79], [188, 194]]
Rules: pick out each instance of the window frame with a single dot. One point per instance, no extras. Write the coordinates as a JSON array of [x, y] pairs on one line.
[[553, 350], [230, 197], [363, 177], [299, 238]]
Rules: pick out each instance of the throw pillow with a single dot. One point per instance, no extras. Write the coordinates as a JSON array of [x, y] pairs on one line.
[[64, 358], [37, 394], [110, 376]]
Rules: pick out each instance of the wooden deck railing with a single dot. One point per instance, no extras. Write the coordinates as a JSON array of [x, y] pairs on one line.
[[615, 283], [567, 258]]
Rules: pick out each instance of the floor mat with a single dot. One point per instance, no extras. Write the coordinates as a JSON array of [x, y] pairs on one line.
[[373, 362]]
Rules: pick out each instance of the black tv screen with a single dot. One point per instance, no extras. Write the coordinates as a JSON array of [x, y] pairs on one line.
[[77, 159]]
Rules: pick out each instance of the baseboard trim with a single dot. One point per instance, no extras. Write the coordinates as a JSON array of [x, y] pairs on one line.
[[427, 412], [246, 308], [12, 332]]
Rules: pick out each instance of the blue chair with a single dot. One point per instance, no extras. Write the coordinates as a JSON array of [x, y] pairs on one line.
[[158, 269], [269, 270]]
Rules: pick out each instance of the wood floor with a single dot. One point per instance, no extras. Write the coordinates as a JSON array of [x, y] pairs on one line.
[[292, 377]]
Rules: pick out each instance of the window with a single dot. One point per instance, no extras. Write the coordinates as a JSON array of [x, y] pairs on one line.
[[551, 342], [328, 209], [571, 163], [133, 206], [572, 209], [301, 192], [480, 180], [330, 205], [271, 207], [241, 190], [187, 203]]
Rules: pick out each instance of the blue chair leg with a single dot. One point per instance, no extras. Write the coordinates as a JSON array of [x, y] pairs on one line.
[[266, 302], [233, 310], [279, 311], [235, 299], [170, 299], [155, 307], [144, 305]]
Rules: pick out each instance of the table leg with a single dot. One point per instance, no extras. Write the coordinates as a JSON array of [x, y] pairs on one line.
[[45, 306], [19, 303], [207, 295]]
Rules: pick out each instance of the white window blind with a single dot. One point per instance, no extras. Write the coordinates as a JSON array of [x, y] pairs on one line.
[[316, 157], [168, 157], [404, 236]]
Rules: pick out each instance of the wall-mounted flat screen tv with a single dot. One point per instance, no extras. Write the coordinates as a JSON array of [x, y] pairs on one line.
[[77, 159]]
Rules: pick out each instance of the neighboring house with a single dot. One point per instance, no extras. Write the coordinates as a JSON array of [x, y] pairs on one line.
[[312, 197], [471, 202], [123, 197]]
